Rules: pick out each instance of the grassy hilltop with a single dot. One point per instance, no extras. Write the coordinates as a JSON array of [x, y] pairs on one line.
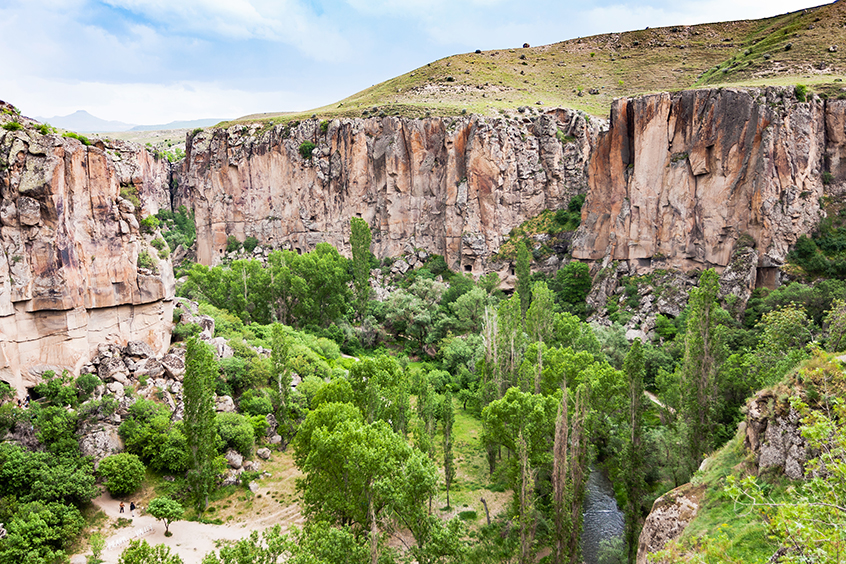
[[807, 47]]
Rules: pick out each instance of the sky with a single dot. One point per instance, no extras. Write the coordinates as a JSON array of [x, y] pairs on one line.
[[156, 61]]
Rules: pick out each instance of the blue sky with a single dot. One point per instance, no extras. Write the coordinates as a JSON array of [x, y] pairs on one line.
[[155, 61]]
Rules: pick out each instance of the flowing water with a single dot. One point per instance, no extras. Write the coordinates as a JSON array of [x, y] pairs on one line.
[[603, 520]]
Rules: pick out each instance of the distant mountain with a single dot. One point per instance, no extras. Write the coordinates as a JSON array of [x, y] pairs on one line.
[[188, 124], [86, 123]]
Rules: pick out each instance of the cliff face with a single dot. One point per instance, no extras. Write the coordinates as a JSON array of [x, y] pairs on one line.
[[677, 179], [69, 275], [454, 187]]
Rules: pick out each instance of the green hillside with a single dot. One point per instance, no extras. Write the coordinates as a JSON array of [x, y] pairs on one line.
[[587, 73]]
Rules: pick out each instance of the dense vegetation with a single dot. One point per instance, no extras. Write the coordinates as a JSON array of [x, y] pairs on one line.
[[374, 436]]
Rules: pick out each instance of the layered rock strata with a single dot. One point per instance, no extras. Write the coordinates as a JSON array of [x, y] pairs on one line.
[[69, 271], [679, 179], [452, 186]]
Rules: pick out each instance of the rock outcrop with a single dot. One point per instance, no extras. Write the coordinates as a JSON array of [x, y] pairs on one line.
[[70, 277], [773, 436], [670, 515], [679, 179], [452, 186]]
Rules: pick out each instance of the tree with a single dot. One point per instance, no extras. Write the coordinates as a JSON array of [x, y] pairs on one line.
[[199, 419], [511, 340], [633, 461], [448, 418], [360, 244], [572, 285], [358, 474], [835, 322], [380, 391], [140, 552], [702, 354], [540, 323], [166, 510], [281, 372], [524, 274], [122, 473]]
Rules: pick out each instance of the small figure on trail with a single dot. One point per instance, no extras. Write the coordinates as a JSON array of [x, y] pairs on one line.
[[19, 403], [121, 507], [132, 508]]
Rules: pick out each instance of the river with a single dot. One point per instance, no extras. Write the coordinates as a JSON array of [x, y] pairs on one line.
[[603, 520]]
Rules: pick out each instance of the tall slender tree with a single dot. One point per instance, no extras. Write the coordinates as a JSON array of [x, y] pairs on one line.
[[702, 353], [360, 239], [281, 373], [199, 424], [540, 323], [633, 462], [524, 274], [448, 418]]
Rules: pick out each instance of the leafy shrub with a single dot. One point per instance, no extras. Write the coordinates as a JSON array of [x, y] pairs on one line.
[[44, 129], [827, 178], [122, 473], [185, 330], [801, 92], [324, 126], [87, 383], [58, 390], [146, 261], [81, 138], [250, 243], [12, 126], [130, 192], [232, 244], [236, 432], [149, 224], [256, 403], [306, 149]]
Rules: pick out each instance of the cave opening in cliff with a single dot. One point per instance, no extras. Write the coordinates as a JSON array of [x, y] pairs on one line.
[[468, 268]]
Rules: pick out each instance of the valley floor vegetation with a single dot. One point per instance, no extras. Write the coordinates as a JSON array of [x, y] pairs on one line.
[[378, 401]]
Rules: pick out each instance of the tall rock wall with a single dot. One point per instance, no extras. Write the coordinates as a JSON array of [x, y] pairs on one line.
[[677, 179], [69, 275], [453, 186]]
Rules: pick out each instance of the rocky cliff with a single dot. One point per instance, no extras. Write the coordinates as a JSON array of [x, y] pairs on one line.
[[674, 183], [69, 269], [679, 179], [453, 186]]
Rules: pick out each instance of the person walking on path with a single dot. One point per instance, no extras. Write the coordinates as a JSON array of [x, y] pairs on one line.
[[121, 507], [132, 508]]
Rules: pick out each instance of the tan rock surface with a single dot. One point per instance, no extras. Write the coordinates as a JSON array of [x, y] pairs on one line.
[[683, 176], [454, 187], [670, 515], [68, 271]]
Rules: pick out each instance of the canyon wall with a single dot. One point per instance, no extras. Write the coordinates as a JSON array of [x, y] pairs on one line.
[[452, 186], [678, 179], [69, 273], [673, 183]]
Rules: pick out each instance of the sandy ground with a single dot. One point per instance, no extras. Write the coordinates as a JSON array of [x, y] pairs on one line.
[[190, 540]]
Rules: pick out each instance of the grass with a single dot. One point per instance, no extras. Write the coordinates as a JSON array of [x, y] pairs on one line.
[[614, 65]]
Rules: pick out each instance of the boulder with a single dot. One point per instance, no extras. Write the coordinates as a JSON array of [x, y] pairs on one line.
[[113, 369], [138, 349], [224, 404], [100, 441], [234, 459], [149, 367], [668, 519], [174, 364], [263, 453]]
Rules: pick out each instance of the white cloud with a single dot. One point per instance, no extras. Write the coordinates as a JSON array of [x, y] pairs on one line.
[[147, 103], [284, 21]]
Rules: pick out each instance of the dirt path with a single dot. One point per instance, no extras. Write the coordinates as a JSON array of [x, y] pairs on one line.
[[190, 540]]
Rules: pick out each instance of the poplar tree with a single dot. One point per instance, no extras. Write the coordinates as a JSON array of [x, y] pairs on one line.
[[281, 373], [360, 239], [524, 274], [448, 418], [540, 322], [198, 419], [633, 461], [702, 351]]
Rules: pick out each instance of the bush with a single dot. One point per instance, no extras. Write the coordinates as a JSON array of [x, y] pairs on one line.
[[324, 126], [232, 244], [81, 138], [256, 402], [827, 178], [236, 432], [87, 383], [306, 149], [250, 243], [12, 126], [146, 261], [801, 92], [149, 224], [122, 473]]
